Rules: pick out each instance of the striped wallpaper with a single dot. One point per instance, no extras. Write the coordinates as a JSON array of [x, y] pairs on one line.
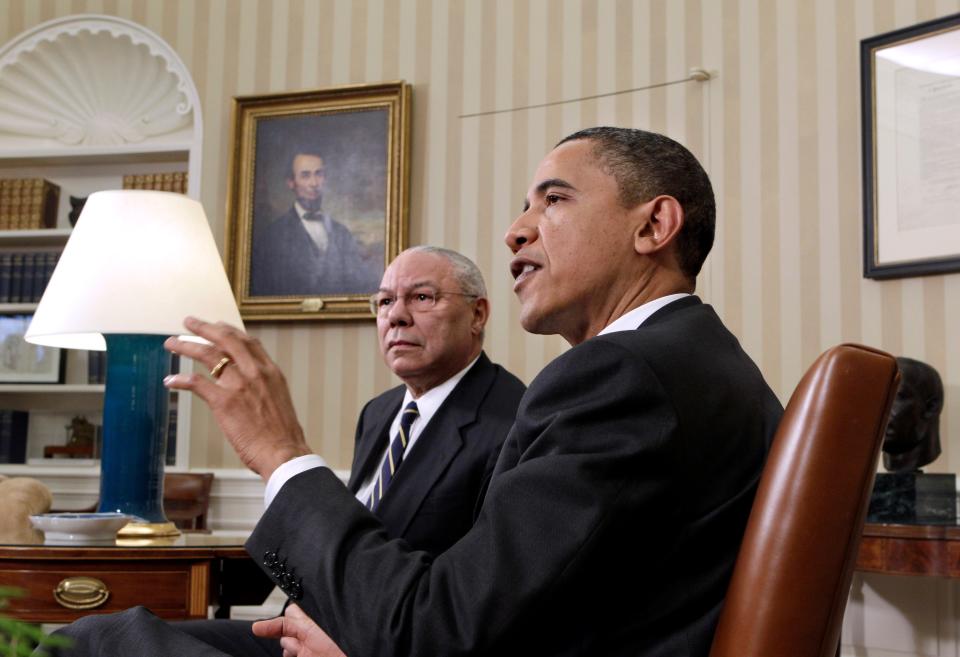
[[777, 127]]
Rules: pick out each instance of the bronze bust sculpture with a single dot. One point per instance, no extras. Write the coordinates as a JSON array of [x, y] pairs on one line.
[[912, 437]]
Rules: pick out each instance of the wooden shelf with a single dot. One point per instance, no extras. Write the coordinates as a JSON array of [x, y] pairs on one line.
[[52, 388], [173, 152], [17, 308], [42, 237]]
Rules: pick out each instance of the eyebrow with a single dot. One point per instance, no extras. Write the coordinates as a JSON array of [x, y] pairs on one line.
[[429, 284], [545, 185]]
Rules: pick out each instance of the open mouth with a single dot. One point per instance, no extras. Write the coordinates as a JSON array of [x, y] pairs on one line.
[[522, 270]]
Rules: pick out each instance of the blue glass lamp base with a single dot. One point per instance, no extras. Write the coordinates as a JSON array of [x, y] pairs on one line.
[[135, 428]]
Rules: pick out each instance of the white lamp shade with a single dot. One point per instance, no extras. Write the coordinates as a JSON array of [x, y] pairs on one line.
[[137, 262]]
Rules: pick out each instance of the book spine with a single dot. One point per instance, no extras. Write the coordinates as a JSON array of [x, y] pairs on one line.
[[51, 204], [6, 439], [6, 267], [19, 423], [6, 196], [16, 277], [49, 264], [26, 278], [39, 282]]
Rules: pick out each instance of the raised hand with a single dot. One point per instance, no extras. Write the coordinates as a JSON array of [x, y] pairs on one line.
[[246, 391]]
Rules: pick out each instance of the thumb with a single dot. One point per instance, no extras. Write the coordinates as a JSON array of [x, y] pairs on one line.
[[272, 628]]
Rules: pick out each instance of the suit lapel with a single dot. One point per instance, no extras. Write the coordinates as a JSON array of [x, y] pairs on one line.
[[373, 442], [435, 448]]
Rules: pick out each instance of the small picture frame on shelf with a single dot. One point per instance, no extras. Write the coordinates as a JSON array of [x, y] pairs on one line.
[[22, 362]]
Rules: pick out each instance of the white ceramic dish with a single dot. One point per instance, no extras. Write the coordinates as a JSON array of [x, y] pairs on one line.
[[79, 527]]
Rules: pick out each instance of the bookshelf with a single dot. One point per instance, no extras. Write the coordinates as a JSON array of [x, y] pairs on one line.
[[144, 118]]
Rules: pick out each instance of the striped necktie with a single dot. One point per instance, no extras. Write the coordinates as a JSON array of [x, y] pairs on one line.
[[394, 454]]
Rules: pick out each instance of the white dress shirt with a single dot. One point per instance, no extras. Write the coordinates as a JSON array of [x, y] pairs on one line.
[[634, 318], [317, 229]]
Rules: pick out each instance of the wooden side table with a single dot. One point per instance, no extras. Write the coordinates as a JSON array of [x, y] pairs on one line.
[[176, 582], [890, 549]]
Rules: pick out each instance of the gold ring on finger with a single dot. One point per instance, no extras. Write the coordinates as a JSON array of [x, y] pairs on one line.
[[218, 368]]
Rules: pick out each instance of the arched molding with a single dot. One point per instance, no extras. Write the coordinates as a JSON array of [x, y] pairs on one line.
[[95, 81]]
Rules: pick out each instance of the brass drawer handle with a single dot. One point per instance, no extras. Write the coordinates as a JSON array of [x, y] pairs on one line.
[[81, 593]]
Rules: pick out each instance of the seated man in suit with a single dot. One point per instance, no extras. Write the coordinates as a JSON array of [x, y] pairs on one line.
[[614, 514], [306, 251], [431, 311]]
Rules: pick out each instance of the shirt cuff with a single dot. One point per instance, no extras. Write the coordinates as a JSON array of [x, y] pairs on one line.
[[288, 471]]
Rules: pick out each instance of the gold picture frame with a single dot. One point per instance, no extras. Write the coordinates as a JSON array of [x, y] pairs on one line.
[[317, 204]]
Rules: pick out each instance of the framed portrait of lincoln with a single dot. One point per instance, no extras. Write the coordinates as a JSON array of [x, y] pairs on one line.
[[317, 205]]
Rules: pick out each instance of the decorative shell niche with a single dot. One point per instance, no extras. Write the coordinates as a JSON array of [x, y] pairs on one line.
[[92, 84]]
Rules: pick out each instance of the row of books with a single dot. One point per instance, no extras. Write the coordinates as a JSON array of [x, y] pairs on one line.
[[13, 439], [164, 182], [13, 436], [24, 275], [28, 203]]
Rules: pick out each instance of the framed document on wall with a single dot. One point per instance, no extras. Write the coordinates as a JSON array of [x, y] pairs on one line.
[[910, 94]]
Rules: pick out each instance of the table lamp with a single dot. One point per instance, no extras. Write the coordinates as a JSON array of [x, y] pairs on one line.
[[135, 265]]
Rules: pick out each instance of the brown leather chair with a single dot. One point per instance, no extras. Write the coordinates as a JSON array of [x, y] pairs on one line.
[[792, 577], [186, 498]]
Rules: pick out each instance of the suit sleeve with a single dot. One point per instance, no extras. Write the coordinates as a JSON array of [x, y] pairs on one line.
[[590, 450]]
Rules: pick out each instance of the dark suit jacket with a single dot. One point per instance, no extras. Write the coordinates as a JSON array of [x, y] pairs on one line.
[[286, 261], [610, 525], [433, 496]]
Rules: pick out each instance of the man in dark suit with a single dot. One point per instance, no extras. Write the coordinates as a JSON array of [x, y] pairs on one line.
[[431, 311], [618, 503], [305, 251], [431, 337]]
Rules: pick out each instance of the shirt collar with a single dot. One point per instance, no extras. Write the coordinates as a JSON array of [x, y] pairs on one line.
[[640, 314], [429, 402], [300, 210]]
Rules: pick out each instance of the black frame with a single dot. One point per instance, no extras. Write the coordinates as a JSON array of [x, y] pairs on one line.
[[871, 267]]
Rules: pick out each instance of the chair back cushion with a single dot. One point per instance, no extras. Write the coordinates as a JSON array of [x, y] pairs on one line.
[[186, 498], [792, 576]]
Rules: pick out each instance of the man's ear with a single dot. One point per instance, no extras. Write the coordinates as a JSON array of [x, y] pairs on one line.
[[481, 312], [661, 223]]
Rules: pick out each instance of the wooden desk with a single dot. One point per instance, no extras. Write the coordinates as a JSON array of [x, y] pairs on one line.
[[176, 581], [932, 550]]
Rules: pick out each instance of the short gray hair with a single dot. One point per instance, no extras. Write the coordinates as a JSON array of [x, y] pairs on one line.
[[466, 272]]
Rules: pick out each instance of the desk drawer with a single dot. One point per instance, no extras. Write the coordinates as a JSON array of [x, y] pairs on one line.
[[170, 589]]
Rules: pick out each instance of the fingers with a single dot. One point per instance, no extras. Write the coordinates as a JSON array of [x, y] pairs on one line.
[[246, 352], [204, 354], [272, 628], [298, 634], [292, 647], [200, 385]]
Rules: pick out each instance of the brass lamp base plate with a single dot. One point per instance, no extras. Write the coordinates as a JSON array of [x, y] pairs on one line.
[[148, 530]]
